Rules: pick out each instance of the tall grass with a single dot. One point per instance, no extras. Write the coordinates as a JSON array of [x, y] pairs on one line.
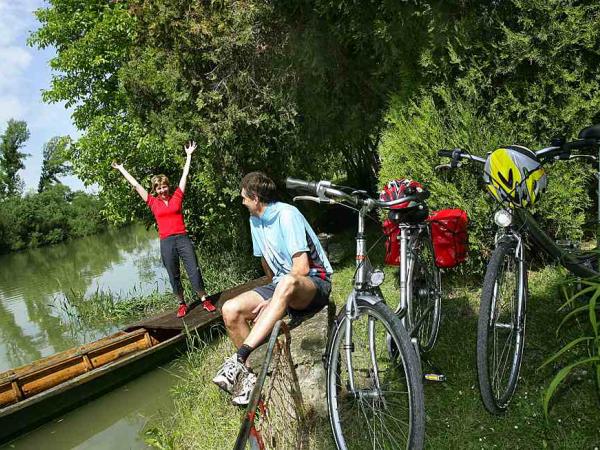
[[104, 306], [220, 269]]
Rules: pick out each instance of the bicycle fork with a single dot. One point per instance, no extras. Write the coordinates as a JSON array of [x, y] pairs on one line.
[[518, 322], [351, 315]]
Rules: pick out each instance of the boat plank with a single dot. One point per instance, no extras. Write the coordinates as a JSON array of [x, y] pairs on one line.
[[197, 317], [59, 358]]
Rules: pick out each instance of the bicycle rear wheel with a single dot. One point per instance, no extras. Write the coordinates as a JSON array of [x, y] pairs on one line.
[[425, 292], [501, 327], [386, 408]]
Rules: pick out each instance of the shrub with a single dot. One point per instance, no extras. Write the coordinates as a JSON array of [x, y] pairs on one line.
[[434, 121], [49, 217]]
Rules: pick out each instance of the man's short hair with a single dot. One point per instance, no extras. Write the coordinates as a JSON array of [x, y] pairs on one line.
[[257, 184]]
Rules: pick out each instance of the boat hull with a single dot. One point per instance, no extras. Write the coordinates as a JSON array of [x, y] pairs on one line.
[[45, 389]]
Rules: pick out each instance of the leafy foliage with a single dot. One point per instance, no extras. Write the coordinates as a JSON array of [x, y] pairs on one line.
[[259, 85], [52, 216], [54, 163], [409, 149], [11, 158], [492, 74]]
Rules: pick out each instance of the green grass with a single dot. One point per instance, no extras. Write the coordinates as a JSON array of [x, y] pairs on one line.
[[204, 419], [455, 415], [220, 271]]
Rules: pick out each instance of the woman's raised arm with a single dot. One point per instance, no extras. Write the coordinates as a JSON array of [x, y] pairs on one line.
[[138, 187], [189, 149]]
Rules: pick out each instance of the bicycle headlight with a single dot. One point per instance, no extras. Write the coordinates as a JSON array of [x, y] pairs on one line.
[[376, 278], [503, 218]]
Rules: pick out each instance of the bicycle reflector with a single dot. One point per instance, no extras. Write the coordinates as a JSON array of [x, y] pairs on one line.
[[514, 175]]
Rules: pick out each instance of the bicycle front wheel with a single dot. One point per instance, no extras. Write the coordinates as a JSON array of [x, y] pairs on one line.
[[501, 327], [374, 401], [425, 293]]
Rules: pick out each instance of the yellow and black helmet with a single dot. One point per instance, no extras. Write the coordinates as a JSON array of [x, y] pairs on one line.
[[514, 175]]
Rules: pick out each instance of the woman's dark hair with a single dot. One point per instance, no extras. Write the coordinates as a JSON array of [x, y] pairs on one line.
[[260, 185]]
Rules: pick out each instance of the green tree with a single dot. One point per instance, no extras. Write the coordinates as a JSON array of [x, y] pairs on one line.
[[257, 84], [54, 163], [11, 158]]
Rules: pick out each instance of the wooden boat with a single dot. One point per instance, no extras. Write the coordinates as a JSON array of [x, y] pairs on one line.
[[37, 392]]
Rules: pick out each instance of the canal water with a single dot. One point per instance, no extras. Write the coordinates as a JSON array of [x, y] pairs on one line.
[[34, 323]]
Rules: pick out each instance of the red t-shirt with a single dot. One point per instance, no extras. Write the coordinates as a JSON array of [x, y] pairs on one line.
[[168, 217]]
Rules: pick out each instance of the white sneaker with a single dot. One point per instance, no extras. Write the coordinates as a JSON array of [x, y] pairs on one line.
[[244, 388], [228, 374]]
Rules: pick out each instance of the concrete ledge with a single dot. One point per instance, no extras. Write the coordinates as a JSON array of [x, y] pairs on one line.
[[308, 342]]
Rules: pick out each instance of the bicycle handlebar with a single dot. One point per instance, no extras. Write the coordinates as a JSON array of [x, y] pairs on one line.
[[293, 183], [324, 190], [563, 152], [457, 154], [560, 152], [445, 153]]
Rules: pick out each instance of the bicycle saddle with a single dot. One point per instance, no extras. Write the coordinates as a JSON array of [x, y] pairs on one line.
[[414, 214], [592, 132]]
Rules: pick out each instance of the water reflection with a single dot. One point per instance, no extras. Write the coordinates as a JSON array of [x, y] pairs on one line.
[[33, 283]]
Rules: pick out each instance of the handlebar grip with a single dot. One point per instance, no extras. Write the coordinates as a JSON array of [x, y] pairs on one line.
[[584, 143], [293, 183], [445, 153]]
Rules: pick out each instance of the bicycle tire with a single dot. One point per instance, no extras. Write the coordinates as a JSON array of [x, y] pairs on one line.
[[355, 419], [425, 292], [501, 322]]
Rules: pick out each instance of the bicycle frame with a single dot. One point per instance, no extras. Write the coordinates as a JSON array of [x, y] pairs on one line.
[[408, 234], [547, 244], [361, 289]]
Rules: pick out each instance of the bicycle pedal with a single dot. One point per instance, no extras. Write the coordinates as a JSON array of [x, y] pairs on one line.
[[438, 377]]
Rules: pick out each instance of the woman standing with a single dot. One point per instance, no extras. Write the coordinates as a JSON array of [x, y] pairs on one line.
[[174, 241]]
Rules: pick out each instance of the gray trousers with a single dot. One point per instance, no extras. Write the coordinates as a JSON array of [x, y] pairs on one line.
[[174, 248]]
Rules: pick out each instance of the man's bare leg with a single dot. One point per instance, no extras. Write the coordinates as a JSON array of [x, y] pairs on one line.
[[237, 312], [294, 291]]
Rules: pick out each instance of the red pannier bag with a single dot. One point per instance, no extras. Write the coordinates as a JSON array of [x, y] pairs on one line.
[[449, 236], [392, 244]]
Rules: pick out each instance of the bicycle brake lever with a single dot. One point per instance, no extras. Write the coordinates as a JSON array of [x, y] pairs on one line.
[[590, 157], [446, 167], [312, 199]]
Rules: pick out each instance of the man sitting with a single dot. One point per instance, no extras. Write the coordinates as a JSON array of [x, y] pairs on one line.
[[300, 273]]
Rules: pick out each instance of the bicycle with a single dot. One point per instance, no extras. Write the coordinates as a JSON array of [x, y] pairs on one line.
[[502, 314], [275, 415], [375, 400], [410, 247]]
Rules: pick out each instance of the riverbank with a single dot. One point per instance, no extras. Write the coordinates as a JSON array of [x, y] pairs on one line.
[[203, 418]]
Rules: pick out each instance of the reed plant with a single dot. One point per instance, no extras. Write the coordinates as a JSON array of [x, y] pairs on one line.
[[582, 351], [105, 306]]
